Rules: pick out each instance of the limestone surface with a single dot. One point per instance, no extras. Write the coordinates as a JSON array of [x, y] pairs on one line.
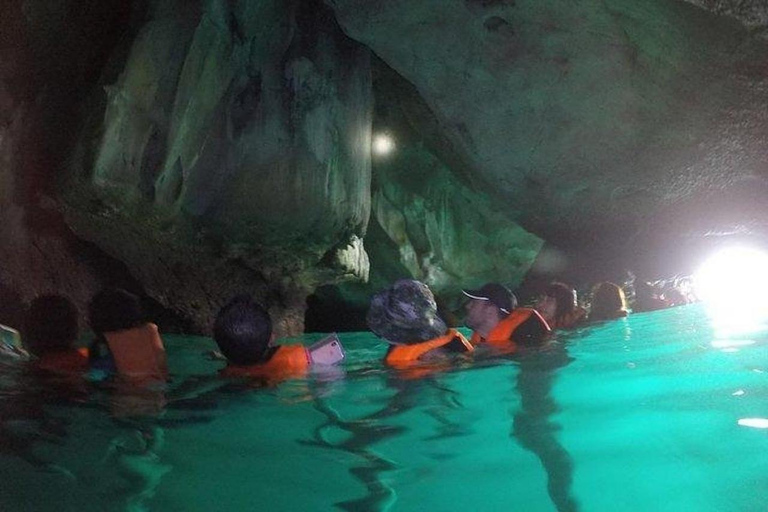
[[601, 125], [233, 155], [191, 150]]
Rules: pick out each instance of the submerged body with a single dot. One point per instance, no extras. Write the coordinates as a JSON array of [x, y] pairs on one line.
[[523, 327]]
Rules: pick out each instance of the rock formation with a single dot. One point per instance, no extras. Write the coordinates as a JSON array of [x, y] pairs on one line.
[[598, 124], [48, 65], [193, 150], [233, 156]]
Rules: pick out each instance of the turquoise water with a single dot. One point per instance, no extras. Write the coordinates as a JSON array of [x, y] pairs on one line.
[[641, 413]]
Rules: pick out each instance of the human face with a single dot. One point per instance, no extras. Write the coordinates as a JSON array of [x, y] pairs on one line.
[[482, 316]]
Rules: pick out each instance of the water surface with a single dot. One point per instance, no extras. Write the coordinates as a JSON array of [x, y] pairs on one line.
[[658, 411]]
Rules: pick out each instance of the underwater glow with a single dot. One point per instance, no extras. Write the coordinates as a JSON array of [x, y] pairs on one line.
[[754, 422], [732, 284], [383, 144]]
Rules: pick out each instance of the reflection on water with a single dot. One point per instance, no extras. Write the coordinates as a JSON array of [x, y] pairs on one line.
[[373, 428], [754, 422], [37, 419], [136, 455], [363, 433], [24, 423], [533, 424]]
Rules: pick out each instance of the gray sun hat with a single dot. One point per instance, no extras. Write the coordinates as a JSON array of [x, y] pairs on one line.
[[405, 313]]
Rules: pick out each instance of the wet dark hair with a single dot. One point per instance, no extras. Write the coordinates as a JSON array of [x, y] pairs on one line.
[[242, 330], [647, 297], [608, 302], [115, 309], [50, 324], [565, 298]]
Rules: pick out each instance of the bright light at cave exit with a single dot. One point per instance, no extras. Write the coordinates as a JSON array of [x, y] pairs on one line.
[[733, 284], [383, 144]]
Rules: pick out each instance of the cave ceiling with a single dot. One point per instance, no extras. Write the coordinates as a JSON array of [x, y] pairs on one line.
[[596, 123]]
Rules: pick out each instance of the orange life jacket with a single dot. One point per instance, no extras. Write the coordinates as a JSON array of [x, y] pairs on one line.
[[288, 361], [576, 316], [65, 361], [502, 335], [138, 353], [401, 356]]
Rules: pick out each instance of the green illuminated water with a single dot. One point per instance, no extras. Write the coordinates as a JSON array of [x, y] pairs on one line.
[[636, 414]]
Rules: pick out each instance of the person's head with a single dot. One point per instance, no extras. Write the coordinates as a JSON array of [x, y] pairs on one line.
[[115, 309], [406, 312], [645, 291], [675, 296], [557, 301], [487, 306], [50, 325], [243, 331], [608, 302]]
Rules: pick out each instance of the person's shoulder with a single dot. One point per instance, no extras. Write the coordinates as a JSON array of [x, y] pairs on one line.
[[533, 330], [291, 350], [576, 317]]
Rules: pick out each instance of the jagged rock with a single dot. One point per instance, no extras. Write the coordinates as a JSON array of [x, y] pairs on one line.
[[427, 221], [448, 235], [234, 157], [48, 63], [597, 124], [224, 146]]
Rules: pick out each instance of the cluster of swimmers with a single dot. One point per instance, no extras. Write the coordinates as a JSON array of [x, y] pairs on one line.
[[128, 352], [128, 346], [125, 343]]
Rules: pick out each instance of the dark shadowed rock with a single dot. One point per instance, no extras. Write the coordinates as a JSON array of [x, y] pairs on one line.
[[428, 220], [752, 13], [48, 63], [234, 156]]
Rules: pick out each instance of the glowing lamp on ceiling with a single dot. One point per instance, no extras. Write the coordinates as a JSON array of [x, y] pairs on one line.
[[383, 144]]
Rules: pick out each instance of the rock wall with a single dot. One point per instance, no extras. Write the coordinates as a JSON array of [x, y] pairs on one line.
[[233, 155], [752, 13], [202, 149], [428, 222], [449, 234], [48, 64], [192, 150]]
